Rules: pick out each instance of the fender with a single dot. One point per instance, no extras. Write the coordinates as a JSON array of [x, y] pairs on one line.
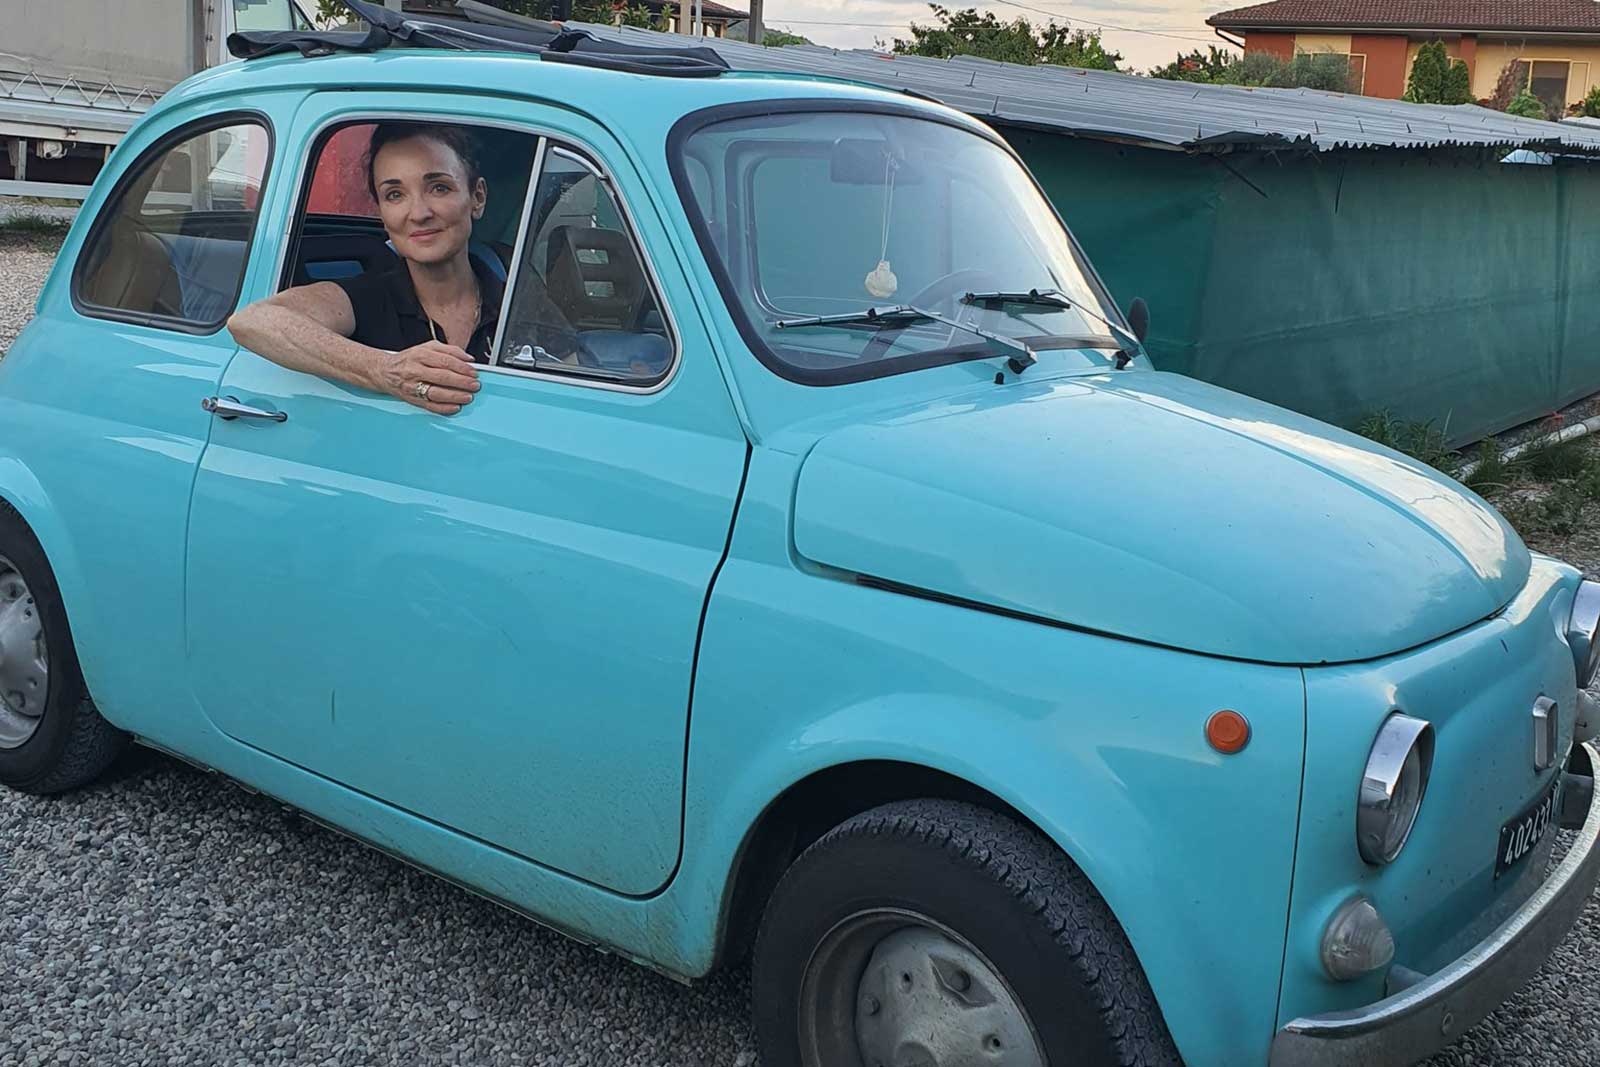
[[20, 488], [1099, 742]]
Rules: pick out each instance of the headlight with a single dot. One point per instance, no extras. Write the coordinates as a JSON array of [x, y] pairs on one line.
[[1581, 626], [1392, 787]]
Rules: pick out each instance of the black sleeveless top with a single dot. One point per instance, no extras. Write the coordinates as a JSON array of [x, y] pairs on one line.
[[389, 316]]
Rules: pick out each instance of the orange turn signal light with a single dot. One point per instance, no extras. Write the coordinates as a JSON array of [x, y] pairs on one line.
[[1228, 731]]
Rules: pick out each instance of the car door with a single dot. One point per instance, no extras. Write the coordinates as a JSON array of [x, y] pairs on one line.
[[487, 620]]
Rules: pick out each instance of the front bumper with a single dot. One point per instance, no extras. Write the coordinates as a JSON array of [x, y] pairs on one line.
[[1422, 1018]]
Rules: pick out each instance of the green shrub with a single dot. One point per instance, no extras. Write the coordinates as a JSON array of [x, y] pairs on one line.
[[1590, 108], [1527, 106], [1419, 439]]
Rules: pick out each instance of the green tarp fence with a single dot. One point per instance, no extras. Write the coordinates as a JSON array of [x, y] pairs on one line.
[[1434, 285]]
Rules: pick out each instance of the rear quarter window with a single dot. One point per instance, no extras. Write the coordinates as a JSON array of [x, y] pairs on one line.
[[170, 245]]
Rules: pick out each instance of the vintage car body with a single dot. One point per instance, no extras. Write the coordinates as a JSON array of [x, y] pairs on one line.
[[781, 604]]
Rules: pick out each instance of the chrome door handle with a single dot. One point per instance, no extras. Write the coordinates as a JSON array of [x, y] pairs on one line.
[[228, 407]]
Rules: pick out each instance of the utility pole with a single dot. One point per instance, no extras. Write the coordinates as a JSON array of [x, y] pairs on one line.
[[755, 33]]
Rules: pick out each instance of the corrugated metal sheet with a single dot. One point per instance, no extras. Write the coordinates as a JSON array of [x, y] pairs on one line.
[[1149, 111]]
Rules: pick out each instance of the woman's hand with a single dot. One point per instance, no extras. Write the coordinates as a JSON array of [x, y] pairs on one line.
[[446, 375]]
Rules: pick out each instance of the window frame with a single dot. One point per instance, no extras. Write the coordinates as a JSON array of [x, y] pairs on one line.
[[1566, 92], [113, 203], [694, 121], [546, 141]]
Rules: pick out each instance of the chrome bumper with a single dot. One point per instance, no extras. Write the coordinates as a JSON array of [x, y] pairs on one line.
[[1424, 1017]]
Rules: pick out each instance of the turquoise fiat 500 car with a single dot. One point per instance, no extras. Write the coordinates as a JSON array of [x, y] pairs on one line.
[[854, 595]]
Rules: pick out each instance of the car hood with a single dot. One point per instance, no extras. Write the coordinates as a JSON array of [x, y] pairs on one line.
[[1155, 507]]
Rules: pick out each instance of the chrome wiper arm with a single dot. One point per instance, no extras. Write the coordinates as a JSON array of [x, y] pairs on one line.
[[1022, 356], [1057, 299]]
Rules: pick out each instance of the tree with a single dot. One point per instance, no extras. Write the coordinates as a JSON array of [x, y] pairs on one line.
[[1512, 80], [1438, 79], [1590, 108], [1329, 71], [1526, 105], [783, 38], [1214, 66], [967, 33]]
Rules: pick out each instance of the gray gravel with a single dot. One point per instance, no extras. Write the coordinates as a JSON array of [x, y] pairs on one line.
[[24, 263], [168, 917]]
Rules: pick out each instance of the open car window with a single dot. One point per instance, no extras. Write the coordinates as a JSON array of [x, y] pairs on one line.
[[339, 234]]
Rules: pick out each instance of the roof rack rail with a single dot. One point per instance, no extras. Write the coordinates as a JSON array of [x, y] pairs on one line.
[[551, 43]]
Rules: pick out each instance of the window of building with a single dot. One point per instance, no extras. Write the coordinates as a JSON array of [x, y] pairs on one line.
[[268, 15], [1547, 79], [1358, 72], [169, 248]]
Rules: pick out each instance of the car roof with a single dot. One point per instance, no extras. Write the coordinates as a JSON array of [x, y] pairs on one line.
[[633, 106]]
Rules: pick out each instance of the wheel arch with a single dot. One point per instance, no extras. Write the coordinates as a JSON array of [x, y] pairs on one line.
[[810, 807], [22, 495]]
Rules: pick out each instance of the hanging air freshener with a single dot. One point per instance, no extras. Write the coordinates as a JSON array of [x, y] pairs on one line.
[[881, 282]]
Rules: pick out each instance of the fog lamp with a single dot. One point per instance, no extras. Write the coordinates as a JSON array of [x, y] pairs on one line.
[[1356, 942]]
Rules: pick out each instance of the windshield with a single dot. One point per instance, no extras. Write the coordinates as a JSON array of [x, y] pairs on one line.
[[833, 213]]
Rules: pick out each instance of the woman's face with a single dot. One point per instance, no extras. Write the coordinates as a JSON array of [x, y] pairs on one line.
[[425, 199]]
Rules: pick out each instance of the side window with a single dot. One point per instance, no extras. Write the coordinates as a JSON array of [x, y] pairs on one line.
[[582, 302], [169, 249]]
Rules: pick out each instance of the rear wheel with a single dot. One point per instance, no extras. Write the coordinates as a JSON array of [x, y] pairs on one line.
[[941, 934], [51, 737]]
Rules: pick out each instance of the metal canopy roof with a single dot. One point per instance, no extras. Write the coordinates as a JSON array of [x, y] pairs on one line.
[[1152, 112]]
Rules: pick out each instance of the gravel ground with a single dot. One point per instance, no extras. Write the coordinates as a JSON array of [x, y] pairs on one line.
[[168, 917]]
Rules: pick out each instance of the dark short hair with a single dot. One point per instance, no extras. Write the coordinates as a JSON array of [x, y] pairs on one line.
[[455, 138]]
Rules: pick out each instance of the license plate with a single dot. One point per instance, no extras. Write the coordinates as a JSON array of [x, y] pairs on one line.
[[1520, 836]]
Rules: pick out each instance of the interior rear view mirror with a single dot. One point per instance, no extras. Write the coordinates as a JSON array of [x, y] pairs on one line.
[[866, 161]]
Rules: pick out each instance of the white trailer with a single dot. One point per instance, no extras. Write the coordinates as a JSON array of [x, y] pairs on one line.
[[76, 74]]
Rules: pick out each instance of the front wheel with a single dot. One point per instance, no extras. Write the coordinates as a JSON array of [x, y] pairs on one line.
[[943, 934]]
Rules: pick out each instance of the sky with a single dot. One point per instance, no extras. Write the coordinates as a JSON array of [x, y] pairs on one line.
[[870, 20]]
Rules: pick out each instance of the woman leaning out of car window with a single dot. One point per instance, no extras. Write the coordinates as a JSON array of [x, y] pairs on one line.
[[417, 329]]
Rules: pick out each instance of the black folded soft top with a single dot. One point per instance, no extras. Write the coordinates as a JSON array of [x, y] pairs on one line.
[[391, 29]]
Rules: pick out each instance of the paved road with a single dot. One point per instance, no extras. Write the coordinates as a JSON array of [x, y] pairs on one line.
[[167, 917]]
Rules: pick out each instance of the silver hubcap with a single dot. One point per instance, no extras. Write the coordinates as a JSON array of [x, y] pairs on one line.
[[890, 988], [24, 669]]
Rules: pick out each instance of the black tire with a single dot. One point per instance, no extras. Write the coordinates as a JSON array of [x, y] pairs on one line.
[[1004, 889], [72, 745]]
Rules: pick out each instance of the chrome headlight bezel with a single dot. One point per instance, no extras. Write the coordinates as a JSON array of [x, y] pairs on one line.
[[1582, 625], [1393, 786]]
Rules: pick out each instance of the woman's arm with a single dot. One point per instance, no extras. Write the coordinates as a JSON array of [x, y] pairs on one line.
[[308, 329]]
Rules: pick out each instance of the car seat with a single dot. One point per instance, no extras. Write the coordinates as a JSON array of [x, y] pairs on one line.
[[594, 277], [130, 268]]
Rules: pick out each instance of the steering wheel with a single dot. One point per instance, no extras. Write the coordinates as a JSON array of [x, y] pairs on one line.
[[942, 289]]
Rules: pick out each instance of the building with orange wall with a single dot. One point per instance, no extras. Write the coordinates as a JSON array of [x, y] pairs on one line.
[[1555, 44]]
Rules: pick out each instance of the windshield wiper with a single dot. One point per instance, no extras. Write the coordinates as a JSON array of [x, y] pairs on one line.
[[1055, 298], [1021, 355]]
